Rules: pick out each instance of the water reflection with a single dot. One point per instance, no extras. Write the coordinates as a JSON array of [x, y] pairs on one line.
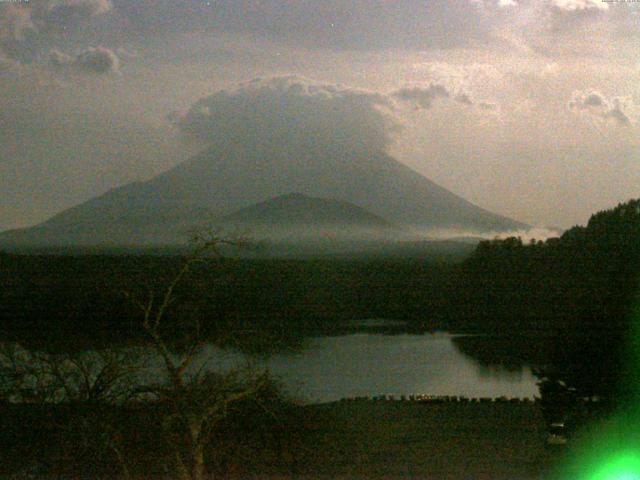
[[370, 364], [364, 364]]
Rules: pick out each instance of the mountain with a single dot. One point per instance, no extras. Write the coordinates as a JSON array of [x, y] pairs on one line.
[[296, 216], [296, 225], [224, 179]]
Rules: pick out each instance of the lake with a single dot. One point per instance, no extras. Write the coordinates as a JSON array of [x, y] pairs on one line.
[[366, 364]]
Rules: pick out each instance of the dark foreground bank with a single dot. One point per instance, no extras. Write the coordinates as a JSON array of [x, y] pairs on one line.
[[360, 439]]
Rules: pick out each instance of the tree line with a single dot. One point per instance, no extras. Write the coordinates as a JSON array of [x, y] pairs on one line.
[[570, 302]]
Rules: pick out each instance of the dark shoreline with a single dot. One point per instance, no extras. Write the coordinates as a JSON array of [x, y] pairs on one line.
[[492, 440]]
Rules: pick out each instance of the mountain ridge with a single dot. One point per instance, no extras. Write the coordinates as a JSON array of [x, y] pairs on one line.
[[222, 180]]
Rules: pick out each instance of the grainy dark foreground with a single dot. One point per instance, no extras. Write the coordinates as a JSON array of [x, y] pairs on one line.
[[365, 439]]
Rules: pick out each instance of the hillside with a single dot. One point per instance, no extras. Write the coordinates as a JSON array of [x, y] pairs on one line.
[[222, 180], [297, 217]]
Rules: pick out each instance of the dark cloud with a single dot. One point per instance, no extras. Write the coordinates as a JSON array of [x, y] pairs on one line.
[[28, 28], [585, 100], [83, 8], [464, 99], [18, 18], [16, 30], [596, 104], [423, 97], [294, 111], [98, 60], [61, 14], [487, 106], [593, 100], [575, 16], [616, 113], [93, 60]]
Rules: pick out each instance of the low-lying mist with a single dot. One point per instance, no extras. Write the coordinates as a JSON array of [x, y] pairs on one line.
[[534, 233]]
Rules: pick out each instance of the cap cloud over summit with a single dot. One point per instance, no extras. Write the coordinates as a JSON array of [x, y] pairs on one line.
[[299, 110], [296, 110]]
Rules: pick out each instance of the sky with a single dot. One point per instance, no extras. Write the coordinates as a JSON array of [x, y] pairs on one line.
[[528, 108]]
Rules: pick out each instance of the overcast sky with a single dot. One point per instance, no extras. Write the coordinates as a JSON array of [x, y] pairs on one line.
[[529, 108]]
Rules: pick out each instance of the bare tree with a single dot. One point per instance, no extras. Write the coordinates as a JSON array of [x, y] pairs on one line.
[[96, 376], [89, 380], [192, 393], [196, 402]]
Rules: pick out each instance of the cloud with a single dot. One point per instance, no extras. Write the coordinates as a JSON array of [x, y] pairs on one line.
[[18, 17], [459, 77], [487, 106], [533, 233], [62, 14], [464, 99], [423, 97], [16, 76], [617, 113], [29, 27], [596, 104], [293, 110], [495, 3], [559, 28], [16, 30], [593, 100], [578, 5], [98, 60], [93, 60], [85, 8], [472, 84]]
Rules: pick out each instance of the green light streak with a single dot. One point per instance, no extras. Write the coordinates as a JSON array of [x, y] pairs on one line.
[[623, 466], [610, 448]]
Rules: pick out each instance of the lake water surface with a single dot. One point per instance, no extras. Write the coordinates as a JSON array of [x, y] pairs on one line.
[[365, 364]]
